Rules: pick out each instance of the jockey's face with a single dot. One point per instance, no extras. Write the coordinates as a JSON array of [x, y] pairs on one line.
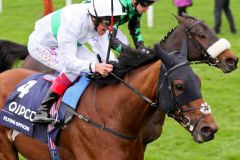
[[142, 6], [101, 29], [105, 24], [141, 9]]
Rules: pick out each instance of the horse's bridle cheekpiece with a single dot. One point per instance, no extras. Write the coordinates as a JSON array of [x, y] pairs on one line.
[[211, 52]]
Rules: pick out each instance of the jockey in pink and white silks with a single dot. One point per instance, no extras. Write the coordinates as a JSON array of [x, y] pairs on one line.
[[58, 42]]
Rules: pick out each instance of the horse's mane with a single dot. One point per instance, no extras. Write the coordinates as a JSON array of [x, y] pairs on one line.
[[167, 35], [129, 60], [173, 29]]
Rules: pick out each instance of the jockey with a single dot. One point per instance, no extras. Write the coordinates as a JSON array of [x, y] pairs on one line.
[[134, 10], [58, 42]]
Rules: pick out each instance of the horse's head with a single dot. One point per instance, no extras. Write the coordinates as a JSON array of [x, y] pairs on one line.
[[179, 95], [204, 45]]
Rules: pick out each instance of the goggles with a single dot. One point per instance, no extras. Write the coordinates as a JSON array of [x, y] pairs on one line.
[[106, 21]]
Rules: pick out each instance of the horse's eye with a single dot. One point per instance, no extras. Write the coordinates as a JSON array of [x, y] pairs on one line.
[[179, 87]]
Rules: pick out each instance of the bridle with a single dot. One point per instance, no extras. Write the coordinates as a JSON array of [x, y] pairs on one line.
[[178, 113], [180, 117], [185, 121], [206, 56]]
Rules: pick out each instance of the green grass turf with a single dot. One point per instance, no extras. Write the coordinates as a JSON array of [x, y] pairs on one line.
[[221, 91]]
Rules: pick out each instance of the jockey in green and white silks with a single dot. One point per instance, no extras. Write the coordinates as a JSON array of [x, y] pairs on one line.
[[58, 42], [134, 10]]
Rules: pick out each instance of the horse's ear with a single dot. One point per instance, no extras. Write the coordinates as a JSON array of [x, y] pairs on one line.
[[184, 48], [164, 56], [180, 19]]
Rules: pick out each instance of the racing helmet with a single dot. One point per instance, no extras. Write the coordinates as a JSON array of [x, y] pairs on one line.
[[103, 8], [145, 3]]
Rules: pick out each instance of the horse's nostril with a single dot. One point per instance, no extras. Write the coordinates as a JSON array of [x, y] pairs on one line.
[[207, 131], [231, 62]]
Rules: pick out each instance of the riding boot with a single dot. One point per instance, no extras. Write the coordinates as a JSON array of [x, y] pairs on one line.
[[42, 115], [57, 89]]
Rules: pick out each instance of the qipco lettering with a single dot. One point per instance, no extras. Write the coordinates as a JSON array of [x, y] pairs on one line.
[[21, 110]]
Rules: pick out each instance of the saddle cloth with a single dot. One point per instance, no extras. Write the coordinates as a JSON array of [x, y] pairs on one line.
[[21, 105]]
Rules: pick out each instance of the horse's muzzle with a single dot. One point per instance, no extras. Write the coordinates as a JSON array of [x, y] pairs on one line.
[[229, 65], [205, 134]]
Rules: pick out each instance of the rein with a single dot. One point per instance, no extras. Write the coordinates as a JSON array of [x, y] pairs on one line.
[[102, 126], [99, 126], [180, 112], [179, 118], [135, 91]]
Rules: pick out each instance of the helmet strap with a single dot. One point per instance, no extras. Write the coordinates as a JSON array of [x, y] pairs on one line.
[[96, 22], [112, 18], [97, 19]]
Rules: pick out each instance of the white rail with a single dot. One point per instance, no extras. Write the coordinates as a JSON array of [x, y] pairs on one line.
[[1, 6], [150, 16], [68, 2]]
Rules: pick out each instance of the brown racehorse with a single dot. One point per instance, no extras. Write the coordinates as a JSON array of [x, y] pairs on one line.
[[173, 86], [199, 38]]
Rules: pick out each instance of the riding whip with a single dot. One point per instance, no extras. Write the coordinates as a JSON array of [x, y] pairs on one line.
[[110, 34]]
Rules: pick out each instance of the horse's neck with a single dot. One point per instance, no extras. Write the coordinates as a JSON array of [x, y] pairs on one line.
[[119, 107], [133, 110], [174, 41]]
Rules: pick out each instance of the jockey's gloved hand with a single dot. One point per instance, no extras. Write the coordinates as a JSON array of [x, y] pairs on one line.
[[140, 46], [144, 50]]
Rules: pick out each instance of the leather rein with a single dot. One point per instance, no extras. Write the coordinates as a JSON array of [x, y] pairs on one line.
[[179, 117]]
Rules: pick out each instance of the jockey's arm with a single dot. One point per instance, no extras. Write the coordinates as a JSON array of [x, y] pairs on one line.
[[135, 32], [67, 47]]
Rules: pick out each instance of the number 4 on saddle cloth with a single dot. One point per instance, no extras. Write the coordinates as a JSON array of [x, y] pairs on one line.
[[22, 104]]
